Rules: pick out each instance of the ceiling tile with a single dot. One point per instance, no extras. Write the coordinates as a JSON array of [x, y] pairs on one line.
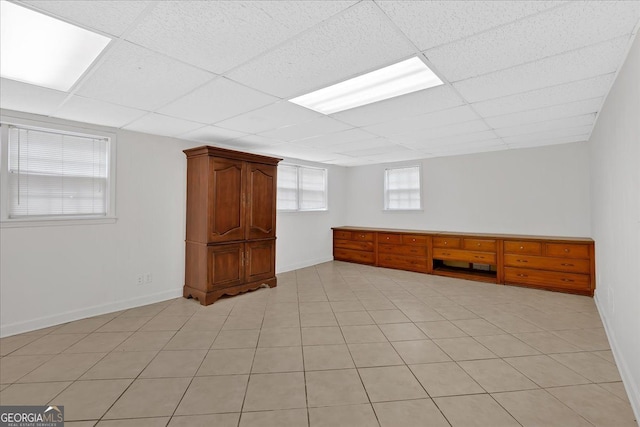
[[335, 138], [424, 101], [219, 35], [576, 25], [158, 124], [442, 132], [554, 141], [360, 146], [97, 112], [253, 142], [547, 135], [454, 140], [109, 16], [548, 113], [569, 122], [138, 78], [217, 100], [469, 150], [452, 148], [315, 127], [373, 151], [348, 161], [581, 64], [295, 151], [29, 98], [397, 156], [432, 23], [554, 95], [424, 121], [354, 42], [273, 116], [211, 134]]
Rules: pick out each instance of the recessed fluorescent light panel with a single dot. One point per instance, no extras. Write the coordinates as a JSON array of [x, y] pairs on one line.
[[398, 79], [44, 51]]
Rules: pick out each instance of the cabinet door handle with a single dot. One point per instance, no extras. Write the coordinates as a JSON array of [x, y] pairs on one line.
[[522, 260], [567, 280], [522, 275], [565, 264]]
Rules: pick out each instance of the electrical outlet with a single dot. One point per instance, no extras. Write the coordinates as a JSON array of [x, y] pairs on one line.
[[140, 279], [148, 278]]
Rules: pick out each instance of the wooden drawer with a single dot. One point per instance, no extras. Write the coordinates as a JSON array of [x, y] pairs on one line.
[[518, 247], [362, 235], [409, 239], [339, 234], [466, 256], [446, 242], [352, 244], [567, 250], [353, 256], [389, 238], [547, 263], [547, 279], [403, 250], [479, 245], [403, 263]]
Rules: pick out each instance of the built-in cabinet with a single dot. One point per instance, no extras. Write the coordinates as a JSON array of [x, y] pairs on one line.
[[231, 222], [554, 263]]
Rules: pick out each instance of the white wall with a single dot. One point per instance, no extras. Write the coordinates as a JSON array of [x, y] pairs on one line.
[[615, 210], [541, 191], [305, 238], [54, 274]]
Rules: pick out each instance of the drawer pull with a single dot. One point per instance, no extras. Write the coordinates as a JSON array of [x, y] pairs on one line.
[[522, 275], [362, 235], [413, 240], [521, 247], [565, 264], [479, 257], [522, 260], [444, 253], [478, 244], [445, 242], [567, 280], [413, 251], [566, 250], [388, 238]]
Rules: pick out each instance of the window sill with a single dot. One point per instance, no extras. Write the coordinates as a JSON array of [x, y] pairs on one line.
[[302, 211], [26, 223], [402, 210]]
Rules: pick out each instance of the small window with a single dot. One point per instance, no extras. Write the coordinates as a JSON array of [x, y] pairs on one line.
[[302, 188], [402, 188], [53, 174]]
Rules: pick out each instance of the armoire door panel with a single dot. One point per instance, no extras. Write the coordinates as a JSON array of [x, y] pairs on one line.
[[260, 260], [225, 265], [227, 210], [261, 201]]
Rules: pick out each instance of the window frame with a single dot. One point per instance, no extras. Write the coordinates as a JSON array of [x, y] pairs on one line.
[[385, 195], [299, 189], [54, 220]]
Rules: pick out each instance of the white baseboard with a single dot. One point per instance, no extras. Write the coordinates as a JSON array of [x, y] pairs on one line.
[[303, 264], [630, 386], [96, 310]]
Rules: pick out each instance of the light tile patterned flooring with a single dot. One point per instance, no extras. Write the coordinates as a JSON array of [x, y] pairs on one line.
[[333, 345]]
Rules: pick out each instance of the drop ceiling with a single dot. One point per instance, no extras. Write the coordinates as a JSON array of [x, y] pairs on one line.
[[517, 73]]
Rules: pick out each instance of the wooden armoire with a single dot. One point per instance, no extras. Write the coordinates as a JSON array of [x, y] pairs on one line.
[[231, 222]]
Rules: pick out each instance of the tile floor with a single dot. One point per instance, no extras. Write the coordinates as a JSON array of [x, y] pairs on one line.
[[333, 345]]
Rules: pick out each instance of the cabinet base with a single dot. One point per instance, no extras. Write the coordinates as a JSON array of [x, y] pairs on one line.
[[208, 298]]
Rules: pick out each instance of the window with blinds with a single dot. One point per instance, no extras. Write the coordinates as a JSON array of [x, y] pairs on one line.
[[302, 188], [56, 174], [402, 188]]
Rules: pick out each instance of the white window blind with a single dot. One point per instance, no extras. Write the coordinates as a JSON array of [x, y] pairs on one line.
[[402, 188], [287, 188], [302, 188], [56, 174]]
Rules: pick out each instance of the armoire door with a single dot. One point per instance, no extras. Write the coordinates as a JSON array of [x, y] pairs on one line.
[[261, 201], [226, 210], [260, 260], [225, 265]]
